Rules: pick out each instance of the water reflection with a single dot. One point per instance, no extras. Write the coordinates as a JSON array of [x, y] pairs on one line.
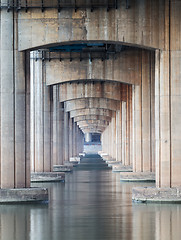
[[91, 205]]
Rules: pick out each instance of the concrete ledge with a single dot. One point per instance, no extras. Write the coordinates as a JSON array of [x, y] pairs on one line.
[[121, 168], [156, 195], [62, 168], [47, 177], [137, 177], [23, 195]]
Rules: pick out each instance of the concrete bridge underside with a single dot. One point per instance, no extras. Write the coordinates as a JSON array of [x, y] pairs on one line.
[[68, 73]]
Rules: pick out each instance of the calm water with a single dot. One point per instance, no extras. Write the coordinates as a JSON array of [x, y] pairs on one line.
[[91, 205]]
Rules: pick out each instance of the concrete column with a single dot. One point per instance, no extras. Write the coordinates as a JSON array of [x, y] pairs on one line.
[[74, 139], [117, 135], [66, 136], [14, 167], [130, 126], [124, 133], [60, 158], [70, 137], [88, 137], [40, 119]]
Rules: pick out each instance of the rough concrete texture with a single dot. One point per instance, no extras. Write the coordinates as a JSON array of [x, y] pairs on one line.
[[23, 195], [160, 195], [47, 177], [137, 177], [62, 168]]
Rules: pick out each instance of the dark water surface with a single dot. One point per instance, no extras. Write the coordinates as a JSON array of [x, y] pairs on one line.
[[91, 205]]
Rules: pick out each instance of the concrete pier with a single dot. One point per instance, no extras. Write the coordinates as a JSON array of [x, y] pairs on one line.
[[114, 73]]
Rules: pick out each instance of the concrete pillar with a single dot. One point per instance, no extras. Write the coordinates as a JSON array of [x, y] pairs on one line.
[[66, 136], [40, 118], [118, 136], [124, 162], [13, 98], [70, 137], [88, 137], [60, 157], [74, 139], [142, 160]]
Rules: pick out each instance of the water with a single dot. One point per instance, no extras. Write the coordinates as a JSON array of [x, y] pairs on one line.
[[91, 205]]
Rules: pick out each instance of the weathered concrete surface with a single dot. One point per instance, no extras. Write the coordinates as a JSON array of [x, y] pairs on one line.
[[92, 117], [90, 111], [23, 195], [156, 195], [72, 91], [126, 65], [130, 26], [90, 103], [62, 168], [137, 177], [47, 177]]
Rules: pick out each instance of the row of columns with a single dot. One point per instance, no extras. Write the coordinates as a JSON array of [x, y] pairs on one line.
[[55, 137], [129, 138]]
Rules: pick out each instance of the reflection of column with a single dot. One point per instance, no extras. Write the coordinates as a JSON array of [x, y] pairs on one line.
[[15, 223], [14, 167]]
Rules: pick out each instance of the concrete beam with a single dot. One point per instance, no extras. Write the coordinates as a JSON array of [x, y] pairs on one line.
[[72, 91], [92, 103], [91, 125], [125, 65], [90, 111], [80, 123], [92, 117]]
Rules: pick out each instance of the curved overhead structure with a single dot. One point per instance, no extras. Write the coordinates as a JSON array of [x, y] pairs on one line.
[[93, 129], [90, 111], [92, 122], [108, 90], [92, 117], [101, 103], [126, 64]]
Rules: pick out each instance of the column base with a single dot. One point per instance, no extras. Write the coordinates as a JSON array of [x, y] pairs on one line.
[[121, 168], [47, 177], [137, 177], [24, 195], [156, 195], [62, 168]]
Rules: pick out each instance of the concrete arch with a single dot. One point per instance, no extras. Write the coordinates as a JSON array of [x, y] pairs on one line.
[[98, 25], [90, 111], [90, 125], [91, 103], [92, 117], [84, 122], [71, 91], [120, 67]]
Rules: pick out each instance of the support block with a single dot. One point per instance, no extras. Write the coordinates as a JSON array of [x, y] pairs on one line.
[[24, 195], [156, 195], [137, 177], [120, 168], [47, 177], [62, 168]]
